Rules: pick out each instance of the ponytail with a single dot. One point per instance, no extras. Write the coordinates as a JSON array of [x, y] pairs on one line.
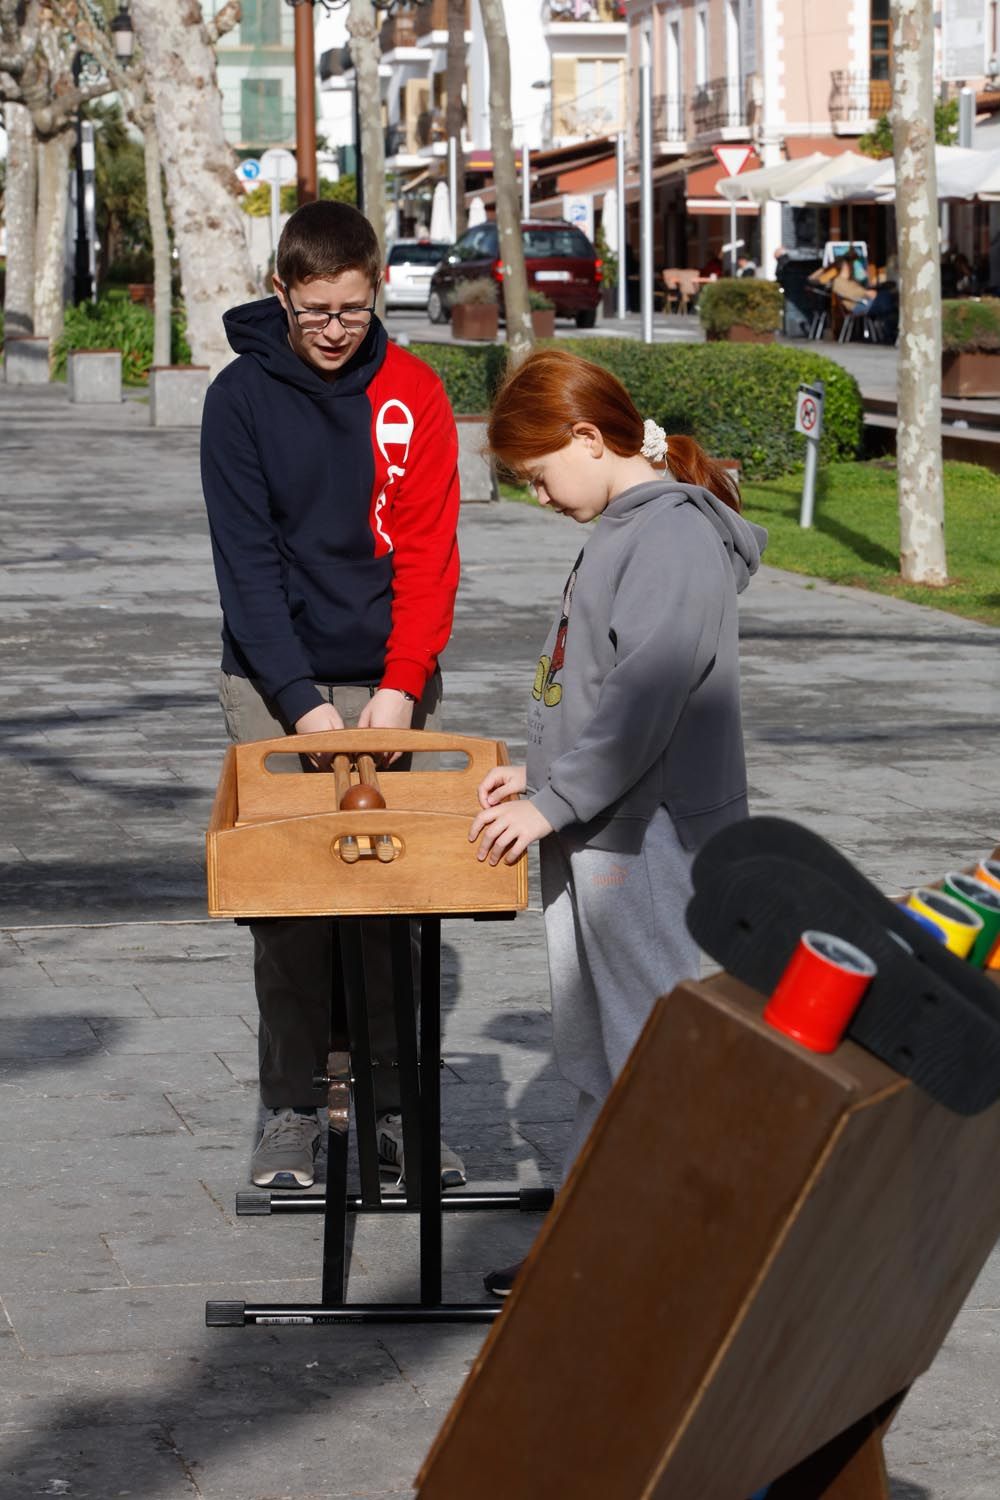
[[690, 464]]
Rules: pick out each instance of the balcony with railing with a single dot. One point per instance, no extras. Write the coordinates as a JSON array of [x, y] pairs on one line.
[[856, 98], [584, 10], [434, 17], [399, 30], [719, 104], [669, 120]]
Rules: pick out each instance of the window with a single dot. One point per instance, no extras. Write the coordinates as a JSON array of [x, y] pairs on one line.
[[260, 110], [599, 103], [701, 47], [260, 23], [543, 244], [879, 40], [423, 253]]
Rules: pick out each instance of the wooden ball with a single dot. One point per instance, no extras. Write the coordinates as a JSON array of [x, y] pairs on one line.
[[361, 798]]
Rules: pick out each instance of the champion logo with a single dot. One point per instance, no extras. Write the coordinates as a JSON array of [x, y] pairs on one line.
[[394, 426]]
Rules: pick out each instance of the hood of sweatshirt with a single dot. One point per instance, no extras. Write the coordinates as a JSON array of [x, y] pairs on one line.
[[260, 330], [743, 540]]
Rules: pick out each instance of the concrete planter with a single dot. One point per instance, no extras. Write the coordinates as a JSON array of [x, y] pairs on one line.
[[94, 377], [970, 374], [476, 478], [543, 322], [142, 291], [26, 360], [740, 333], [177, 394], [475, 320]]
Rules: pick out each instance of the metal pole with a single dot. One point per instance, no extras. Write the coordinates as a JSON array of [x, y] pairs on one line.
[[275, 207], [90, 204], [966, 117], [359, 166], [622, 221], [809, 483], [525, 181], [305, 103], [453, 184], [732, 237], [646, 182]]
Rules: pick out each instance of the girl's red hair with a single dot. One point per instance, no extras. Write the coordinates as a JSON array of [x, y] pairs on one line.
[[538, 406]]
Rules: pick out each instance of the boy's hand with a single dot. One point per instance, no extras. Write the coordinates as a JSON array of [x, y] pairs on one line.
[[323, 717], [500, 783], [387, 709], [508, 830]]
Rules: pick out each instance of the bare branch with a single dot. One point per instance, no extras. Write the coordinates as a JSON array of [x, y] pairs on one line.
[[224, 20]]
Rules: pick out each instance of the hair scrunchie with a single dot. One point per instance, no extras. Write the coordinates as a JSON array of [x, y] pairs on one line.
[[654, 442]]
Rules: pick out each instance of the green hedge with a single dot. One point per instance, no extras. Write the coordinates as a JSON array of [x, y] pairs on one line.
[[740, 299], [971, 325], [116, 324], [737, 400]]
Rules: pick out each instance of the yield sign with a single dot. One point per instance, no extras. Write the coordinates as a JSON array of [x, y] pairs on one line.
[[733, 158]]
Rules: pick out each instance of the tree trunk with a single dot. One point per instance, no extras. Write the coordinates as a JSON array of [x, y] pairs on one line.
[[363, 33], [918, 438], [204, 194], [520, 338], [455, 117], [161, 244], [19, 216], [50, 234]]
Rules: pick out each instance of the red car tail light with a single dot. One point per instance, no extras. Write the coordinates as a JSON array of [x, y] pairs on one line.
[[598, 269], [497, 269], [387, 275]]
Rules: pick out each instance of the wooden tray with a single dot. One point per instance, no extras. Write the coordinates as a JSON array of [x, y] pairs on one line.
[[272, 842]]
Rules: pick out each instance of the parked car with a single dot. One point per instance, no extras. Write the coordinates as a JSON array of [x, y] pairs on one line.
[[559, 259], [408, 271]]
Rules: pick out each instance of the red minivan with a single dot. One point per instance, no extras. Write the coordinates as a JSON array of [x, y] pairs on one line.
[[558, 257]]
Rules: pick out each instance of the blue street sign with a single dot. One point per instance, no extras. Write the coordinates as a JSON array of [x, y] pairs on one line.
[[249, 169]]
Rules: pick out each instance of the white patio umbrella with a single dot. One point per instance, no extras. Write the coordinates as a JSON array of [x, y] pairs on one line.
[[768, 183], [477, 212], [841, 177], [961, 174], [609, 220], [441, 225]]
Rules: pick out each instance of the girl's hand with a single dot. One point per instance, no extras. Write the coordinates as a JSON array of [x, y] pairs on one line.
[[507, 830], [387, 709], [500, 783]]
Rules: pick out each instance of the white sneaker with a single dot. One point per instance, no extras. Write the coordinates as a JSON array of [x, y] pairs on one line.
[[286, 1152], [389, 1131]]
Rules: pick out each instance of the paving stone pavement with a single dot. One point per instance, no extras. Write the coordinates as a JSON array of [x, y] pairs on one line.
[[127, 1052]]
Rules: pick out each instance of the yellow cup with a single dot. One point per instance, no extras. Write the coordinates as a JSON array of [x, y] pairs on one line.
[[960, 924]]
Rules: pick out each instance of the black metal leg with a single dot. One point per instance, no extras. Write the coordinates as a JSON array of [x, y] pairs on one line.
[[430, 1111], [404, 1006], [335, 1215], [353, 971]]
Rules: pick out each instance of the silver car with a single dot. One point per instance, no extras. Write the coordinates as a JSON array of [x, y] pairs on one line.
[[408, 271]]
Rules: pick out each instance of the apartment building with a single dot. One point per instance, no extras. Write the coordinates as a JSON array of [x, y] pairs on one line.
[[783, 77], [256, 62]]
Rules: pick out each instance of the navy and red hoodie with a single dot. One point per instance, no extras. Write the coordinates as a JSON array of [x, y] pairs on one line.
[[333, 506]]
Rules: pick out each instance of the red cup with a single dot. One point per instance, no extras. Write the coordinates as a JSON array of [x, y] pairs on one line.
[[819, 991]]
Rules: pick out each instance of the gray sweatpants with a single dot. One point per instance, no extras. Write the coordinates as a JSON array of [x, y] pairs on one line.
[[293, 956], [617, 940]]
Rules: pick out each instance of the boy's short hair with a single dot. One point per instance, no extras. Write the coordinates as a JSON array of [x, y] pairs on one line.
[[325, 238]]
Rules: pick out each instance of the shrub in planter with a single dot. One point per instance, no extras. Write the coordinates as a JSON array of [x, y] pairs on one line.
[[126, 326], [741, 309], [970, 347], [737, 401], [475, 313], [543, 315]]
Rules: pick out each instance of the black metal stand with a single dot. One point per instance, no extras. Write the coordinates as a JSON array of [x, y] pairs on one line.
[[349, 1073]]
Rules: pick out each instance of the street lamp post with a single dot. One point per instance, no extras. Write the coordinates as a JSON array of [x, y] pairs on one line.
[[85, 255]]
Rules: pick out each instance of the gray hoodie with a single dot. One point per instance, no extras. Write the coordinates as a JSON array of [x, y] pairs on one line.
[[636, 702]]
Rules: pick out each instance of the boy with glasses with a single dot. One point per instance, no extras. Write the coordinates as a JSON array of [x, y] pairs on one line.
[[329, 466]]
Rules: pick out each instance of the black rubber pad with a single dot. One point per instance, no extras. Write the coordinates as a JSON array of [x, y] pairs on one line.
[[779, 836], [749, 916]]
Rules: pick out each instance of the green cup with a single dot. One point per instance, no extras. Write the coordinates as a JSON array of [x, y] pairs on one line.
[[985, 901]]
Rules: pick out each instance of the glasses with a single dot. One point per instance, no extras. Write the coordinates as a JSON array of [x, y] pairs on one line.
[[316, 320]]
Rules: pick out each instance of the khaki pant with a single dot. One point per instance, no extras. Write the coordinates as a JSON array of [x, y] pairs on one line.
[[293, 956]]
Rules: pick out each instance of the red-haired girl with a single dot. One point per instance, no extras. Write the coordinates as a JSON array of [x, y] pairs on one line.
[[635, 745]]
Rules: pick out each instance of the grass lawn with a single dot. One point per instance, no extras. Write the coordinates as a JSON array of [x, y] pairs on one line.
[[855, 534]]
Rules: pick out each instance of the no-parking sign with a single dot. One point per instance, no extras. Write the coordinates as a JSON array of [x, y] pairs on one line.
[[809, 411]]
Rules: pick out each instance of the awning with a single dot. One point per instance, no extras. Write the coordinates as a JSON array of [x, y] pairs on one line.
[[770, 183]]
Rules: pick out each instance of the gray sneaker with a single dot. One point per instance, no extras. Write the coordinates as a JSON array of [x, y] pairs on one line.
[[390, 1152], [286, 1151]]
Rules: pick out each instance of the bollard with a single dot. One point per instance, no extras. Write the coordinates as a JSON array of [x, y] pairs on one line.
[[476, 478], [177, 394], [94, 377]]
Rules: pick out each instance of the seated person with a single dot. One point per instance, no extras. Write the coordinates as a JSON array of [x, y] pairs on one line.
[[745, 266], [712, 268], [846, 286]]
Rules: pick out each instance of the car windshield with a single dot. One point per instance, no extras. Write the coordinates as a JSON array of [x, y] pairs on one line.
[[545, 243], [426, 253]]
